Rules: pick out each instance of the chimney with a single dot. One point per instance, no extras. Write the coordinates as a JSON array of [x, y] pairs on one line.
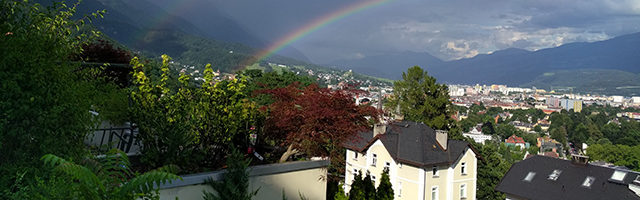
[[579, 159], [441, 138], [399, 116], [379, 129]]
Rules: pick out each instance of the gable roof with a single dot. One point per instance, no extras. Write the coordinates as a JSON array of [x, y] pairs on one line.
[[515, 140], [568, 184], [413, 143]]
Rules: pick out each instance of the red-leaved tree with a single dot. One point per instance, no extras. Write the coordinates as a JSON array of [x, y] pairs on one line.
[[314, 120]]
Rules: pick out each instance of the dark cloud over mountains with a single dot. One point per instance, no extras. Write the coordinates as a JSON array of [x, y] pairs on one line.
[[450, 29]]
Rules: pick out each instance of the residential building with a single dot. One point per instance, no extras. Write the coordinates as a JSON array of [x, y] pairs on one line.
[[548, 144], [516, 141], [542, 177], [475, 133], [522, 125], [422, 162]]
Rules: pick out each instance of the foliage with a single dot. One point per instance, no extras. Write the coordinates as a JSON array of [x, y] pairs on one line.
[[44, 100], [235, 182], [194, 125], [385, 189], [340, 195], [271, 80], [621, 155], [110, 179], [422, 99], [314, 120]]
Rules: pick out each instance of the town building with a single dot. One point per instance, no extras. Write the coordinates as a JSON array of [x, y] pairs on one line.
[[475, 133], [542, 177], [422, 162], [516, 141]]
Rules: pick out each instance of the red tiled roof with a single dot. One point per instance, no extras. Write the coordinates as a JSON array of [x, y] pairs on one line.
[[551, 154], [515, 140]]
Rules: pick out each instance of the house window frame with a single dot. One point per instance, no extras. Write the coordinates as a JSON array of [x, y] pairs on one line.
[[355, 174], [355, 155], [463, 191], [435, 171], [400, 188], [373, 179], [463, 168], [374, 159], [434, 193], [387, 165]]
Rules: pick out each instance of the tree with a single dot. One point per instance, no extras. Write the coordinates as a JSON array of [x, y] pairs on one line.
[[257, 80], [421, 99], [537, 129], [314, 120], [235, 183], [44, 99], [192, 126], [385, 189], [559, 134], [110, 179]]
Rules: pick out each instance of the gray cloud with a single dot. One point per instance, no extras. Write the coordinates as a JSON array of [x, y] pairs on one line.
[[450, 29]]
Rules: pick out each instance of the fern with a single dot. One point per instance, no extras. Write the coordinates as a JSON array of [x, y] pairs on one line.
[[108, 179]]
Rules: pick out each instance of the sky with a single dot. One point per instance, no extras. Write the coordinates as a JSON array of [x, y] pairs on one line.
[[447, 29]]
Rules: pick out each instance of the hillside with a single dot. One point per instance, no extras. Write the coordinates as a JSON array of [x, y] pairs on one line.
[[592, 81], [388, 66], [514, 66]]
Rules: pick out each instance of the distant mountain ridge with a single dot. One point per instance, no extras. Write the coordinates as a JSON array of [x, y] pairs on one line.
[[511, 66], [387, 66]]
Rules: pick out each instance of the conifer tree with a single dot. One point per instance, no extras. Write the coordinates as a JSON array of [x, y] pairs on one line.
[[385, 190]]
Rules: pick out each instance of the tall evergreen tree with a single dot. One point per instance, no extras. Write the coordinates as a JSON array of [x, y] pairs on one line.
[[421, 99], [385, 190]]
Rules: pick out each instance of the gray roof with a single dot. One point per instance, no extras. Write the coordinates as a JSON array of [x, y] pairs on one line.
[[568, 184], [412, 143]]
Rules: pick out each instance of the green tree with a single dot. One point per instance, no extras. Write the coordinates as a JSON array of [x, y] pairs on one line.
[[45, 98], [192, 126], [421, 99], [340, 195], [559, 134], [385, 189], [235, 183], [110, 179]]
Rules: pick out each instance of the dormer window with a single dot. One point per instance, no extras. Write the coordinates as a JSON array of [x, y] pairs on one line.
[[637, 179], [529, 177], [588, 181], [555, 174]]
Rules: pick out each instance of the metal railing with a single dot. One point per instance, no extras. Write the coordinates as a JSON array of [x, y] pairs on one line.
[[124, 138]]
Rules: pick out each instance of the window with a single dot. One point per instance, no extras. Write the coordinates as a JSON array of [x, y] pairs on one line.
[[434, 193], [618, 175], [588, 181], [463, 191], [399, 188], [373, 180], [355, 173], [529, 177], [374, 159], [387, 166], [555, 174], [355, 155], [463, 168], [435, 171], [637, 179], [400, 165]]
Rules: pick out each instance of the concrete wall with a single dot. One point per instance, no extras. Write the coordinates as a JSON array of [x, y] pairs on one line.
[[303, 177]]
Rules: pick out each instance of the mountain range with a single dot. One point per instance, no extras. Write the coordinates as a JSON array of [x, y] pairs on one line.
[[513, 67]]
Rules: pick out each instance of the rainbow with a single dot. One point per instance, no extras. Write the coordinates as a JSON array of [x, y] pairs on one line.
[[313, 26]]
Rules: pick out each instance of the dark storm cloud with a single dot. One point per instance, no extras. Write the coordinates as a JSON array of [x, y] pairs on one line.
[[450, 29]]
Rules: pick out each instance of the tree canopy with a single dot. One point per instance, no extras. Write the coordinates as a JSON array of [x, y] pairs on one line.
[[421, 99]]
